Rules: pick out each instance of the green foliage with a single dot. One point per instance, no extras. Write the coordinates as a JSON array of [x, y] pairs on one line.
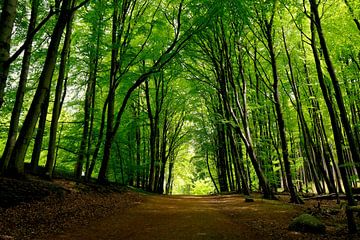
[[216, 39], [202, 187]]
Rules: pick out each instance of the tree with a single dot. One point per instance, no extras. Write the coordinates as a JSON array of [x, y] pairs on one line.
[[15, 115], [7, 18], [175, 45], [22, 143], [185, 96], [59, 94]]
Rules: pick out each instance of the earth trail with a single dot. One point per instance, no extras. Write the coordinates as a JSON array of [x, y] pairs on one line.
[[191, 217]]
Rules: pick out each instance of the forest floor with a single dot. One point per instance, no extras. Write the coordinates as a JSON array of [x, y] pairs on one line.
[[62, 209]]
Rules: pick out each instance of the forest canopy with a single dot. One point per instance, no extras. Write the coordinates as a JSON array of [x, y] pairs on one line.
[[183, 96]]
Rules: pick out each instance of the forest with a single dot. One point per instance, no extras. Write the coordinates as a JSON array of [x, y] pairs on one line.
[[184, 96]]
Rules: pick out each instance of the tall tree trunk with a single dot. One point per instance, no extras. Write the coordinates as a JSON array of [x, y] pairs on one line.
[[98, 143], [240, 174], [57, 146], [280, 119], [170, 176], [15, 115], [108, 138], [163, 155], [111, 96], [151, 140], [168, 54], [89, 105], [335, 128], [91, 130], [145, 160], [63, 74], [269, 112], [35, 157], [312, 152], [42, 90], [245, 136], [138, 154], [222, 158], [159, 98], [7, 19], [318, 125], [83, 151], [338, 95]]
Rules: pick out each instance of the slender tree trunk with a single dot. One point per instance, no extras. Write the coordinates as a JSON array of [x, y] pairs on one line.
[[83, 151], [152, 139], [312, 151], [338, 95], [111, 97], [108, 138], [280, 119], [335, 128], [319, 130], [240, 171], [222, 158], [98, 143], [163, 155], [145, 160], [173, 49], [159, 98], [39, 137], [63, 74], [245, 136], [15, 115], [42, 90], [136, 114], [57, 147], [209, 170], [7, 19], [138, 155], [89, 105], [170, 179], [91, 129]]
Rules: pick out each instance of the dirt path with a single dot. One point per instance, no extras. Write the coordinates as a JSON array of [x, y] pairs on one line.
[[63, 209], [184, 217]]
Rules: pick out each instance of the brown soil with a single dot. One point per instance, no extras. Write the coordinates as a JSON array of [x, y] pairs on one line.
[[88, 212], [210, 217]]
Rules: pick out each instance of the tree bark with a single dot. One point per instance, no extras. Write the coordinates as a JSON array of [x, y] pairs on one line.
[[111, 96], [138, 147], [280, 119], [15, 115], [35, 157], [167, 55], [89, 105], [338, 94], [7, 19], [335, 127], [42, 90], [152, 137], [63, 74]]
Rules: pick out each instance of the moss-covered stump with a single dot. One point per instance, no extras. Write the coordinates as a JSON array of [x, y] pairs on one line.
[[307, 223]]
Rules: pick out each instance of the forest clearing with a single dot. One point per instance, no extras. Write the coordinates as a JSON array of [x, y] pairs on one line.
[[201, 105]]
